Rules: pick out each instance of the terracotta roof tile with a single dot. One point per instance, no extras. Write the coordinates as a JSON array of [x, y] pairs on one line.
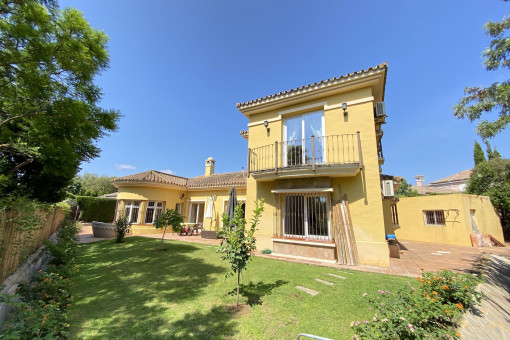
[[459, 176], [309, 87], [153, 176], [227, 179]]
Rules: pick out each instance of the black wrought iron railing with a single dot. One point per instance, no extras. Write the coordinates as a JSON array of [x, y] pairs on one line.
[[309, 152]]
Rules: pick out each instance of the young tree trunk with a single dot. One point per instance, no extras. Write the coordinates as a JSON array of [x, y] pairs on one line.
[[237, 301], [162, 237]]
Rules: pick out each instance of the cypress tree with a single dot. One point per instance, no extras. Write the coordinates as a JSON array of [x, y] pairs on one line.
[[478, 154]]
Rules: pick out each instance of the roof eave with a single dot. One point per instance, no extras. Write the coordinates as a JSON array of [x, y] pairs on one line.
[[372, 77]]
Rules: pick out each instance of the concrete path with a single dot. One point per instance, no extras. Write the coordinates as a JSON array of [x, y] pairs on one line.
[[491, 320]]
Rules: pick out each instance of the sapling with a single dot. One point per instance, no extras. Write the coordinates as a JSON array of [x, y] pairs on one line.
[[170, 218], [238, 242]]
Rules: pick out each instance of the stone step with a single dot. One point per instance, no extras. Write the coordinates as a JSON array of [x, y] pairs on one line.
[[337, 276], [307, 290], [324, 282]]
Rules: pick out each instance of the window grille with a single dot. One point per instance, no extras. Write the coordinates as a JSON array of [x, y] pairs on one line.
[[434, 217], [303, 215], [394, 214], [153, 211], [131, 211]]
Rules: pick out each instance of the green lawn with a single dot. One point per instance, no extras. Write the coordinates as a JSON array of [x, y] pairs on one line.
[[130, 291]]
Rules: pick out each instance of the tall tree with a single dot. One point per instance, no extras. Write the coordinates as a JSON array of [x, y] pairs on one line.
[[92, 185], [478, 154], [492, 178], [49, 113], [496, 97]]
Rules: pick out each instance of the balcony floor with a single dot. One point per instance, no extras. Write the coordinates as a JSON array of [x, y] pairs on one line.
[[331, 170]]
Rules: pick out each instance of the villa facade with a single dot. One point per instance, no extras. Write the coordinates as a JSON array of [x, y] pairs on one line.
[[314, 156]]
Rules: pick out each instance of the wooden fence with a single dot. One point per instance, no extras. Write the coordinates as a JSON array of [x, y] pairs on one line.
[[18, 240]]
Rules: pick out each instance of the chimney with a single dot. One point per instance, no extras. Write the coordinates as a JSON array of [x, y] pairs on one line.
[[209, 166], [419, 180]]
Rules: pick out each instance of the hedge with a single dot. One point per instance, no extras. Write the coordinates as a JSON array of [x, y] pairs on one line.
[[96, 209]]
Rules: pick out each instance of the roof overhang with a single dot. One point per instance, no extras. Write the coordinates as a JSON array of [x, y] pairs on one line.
[[120, 184], [374, 77]]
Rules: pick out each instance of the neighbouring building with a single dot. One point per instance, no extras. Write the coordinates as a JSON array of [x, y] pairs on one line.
[[454, 183], [449, 219]]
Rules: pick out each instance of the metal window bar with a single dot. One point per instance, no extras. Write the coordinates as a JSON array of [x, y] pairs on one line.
[[303, 215], [434, 217]]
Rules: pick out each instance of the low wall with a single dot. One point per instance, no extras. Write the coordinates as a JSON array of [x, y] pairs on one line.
[[458, 223], [304, 249], [24, 273]]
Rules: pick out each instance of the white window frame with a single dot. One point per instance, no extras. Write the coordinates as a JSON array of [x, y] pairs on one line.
[[305, 217], [324, 161], [155, 212], [198, 211], [130, 205]]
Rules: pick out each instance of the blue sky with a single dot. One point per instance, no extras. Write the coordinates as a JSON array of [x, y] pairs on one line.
[[178, 68]]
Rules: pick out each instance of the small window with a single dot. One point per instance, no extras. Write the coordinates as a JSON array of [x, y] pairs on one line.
[[434, 217], [131, 211], [154, 210], [394, 214]]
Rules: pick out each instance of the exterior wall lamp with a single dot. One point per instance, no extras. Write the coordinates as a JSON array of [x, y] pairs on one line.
[[344, 107], [182, 196], [266, 124]]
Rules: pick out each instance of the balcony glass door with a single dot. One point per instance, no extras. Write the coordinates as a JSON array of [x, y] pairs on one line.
[[298, 132]]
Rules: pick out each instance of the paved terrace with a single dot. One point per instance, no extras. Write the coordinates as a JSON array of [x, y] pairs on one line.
[[414, 255]]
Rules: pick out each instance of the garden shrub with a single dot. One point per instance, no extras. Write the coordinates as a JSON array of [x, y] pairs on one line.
[[122, 227], [429, 311], [96, 209], [40, 306]]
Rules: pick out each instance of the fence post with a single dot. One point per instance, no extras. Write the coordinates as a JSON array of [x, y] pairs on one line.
[[359, 151], [276, 157]]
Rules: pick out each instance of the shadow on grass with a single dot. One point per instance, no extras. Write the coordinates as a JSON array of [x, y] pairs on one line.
[[215, 324], [126, 290], [254, 292]]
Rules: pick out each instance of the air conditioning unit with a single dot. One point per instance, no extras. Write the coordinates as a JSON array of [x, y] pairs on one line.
[[380, 109], [387, 187]]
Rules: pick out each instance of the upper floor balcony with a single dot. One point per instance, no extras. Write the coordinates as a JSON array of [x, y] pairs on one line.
[[334, 156]]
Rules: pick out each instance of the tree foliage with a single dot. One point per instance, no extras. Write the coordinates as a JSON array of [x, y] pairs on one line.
[[478, 155], [238, 242], [49, 113], [170, 218], [406, 190], [496, 97], [91, 185], [492, 178]]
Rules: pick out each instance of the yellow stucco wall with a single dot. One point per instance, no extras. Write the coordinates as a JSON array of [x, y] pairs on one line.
[[171, 196], [457, 229], [363, 190]]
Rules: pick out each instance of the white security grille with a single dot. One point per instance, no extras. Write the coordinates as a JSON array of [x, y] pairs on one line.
[[131, 211], [154, 210], [303, 215]]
